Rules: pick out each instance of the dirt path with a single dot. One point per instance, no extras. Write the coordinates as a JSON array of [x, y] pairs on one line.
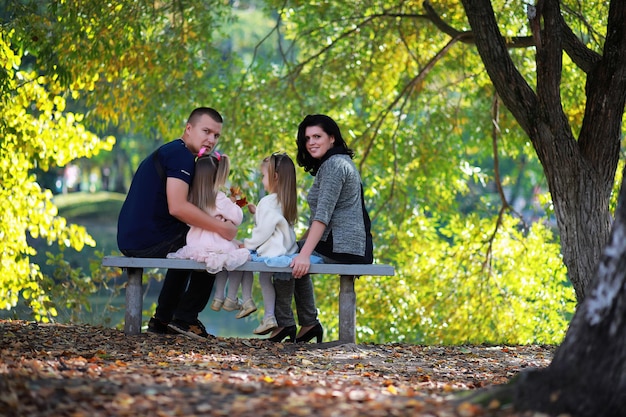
[[79, 370]]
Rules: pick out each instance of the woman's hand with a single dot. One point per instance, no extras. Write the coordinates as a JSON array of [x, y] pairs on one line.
[[300, 265], [302, 262]]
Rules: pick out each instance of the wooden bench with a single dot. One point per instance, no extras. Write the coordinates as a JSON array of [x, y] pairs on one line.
[[347, 297]]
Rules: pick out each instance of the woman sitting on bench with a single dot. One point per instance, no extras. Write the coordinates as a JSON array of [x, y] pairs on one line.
[[339, 229]]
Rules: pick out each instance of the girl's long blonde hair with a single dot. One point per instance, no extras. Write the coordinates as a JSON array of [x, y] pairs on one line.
[[281, 173], [211, 174]]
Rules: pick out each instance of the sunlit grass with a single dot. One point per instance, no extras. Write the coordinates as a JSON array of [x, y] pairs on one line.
[[96, 206]]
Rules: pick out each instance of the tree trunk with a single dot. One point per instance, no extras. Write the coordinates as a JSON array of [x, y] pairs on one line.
[[119, 171], [586, 376], [579, 173]]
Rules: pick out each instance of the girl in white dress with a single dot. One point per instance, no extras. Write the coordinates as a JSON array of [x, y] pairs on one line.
[[273, 236]]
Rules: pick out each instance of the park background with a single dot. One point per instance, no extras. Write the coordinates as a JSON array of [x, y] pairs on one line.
[[457, 196]]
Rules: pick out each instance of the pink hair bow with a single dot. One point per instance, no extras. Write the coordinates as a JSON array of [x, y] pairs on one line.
[[203, 150]]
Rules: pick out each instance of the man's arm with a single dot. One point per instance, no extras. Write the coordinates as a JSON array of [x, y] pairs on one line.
[[183, 210]]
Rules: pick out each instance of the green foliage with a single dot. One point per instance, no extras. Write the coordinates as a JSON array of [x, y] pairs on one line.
[[469, 283], [70, 288], [36, 132], [423, 139], [145, 63], [417, 112]]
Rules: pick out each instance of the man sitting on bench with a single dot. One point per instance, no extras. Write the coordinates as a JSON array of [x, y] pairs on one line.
[[154, 221]]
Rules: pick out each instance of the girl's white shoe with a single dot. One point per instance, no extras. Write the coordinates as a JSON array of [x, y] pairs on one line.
[[267, 325], [216, 305], [231, 305], [248, 308]]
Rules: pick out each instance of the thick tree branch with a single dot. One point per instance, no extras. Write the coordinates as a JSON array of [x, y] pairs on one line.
[[550, 62], [468, 36], [600, 136], [582, 56]]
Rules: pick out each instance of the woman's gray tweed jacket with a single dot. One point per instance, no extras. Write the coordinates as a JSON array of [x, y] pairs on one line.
[[335, 200]]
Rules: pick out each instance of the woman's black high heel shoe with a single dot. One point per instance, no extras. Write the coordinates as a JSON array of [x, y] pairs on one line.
[[316, 331], [289, 331]]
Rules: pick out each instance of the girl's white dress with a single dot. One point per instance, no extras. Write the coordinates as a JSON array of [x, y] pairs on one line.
[[272, 236], [211, 248]]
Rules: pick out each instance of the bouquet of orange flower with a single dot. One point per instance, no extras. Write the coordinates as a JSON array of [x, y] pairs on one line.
[[240, 198]]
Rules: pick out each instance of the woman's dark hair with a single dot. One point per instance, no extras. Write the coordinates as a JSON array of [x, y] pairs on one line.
[[329, 126]]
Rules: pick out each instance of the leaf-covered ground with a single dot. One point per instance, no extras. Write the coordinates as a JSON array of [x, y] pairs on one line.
[[80, 370]]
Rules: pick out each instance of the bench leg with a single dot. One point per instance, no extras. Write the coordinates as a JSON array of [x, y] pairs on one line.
[[134, 302], [347, 309]]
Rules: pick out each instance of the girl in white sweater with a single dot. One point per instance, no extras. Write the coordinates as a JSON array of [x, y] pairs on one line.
[[273, 235]]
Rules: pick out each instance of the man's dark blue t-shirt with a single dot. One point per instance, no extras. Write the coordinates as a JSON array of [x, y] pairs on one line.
[[144, 220]]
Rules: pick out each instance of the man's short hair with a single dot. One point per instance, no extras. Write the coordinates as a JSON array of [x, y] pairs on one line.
[[201, 111]]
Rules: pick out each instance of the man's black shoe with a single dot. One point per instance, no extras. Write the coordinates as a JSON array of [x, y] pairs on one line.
[[194, 330], [157, 326]]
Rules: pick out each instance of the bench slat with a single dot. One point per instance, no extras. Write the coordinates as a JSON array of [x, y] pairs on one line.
[[339, 269]]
